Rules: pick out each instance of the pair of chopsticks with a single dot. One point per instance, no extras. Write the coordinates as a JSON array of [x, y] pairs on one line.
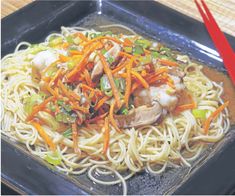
[[221, 43]]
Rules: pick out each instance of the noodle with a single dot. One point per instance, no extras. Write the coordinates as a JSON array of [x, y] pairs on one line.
[[179, 139]]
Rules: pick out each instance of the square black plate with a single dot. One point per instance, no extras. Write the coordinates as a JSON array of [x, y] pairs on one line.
[[27, 174]]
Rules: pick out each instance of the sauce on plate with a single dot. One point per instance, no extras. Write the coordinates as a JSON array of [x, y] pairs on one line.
[[229, 89]]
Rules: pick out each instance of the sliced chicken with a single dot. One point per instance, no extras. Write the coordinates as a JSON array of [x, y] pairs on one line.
[[159, 94], [140, 116], [41, 61], [98, 68], [165, 95]]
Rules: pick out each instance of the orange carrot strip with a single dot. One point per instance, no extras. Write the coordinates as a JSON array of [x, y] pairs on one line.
[[49, 67], [48, 111], [74, 95], [213, 116], [170, 82], [111, 118], [80, 108], [140, 79], [75, 138], [87, 77], [124, 54], [55, 78], [118, 68], [168, 62], [63, 58], [143, 73], [38, 108], [181, 108], [81, 36], [65, 45], [128, 83], [64, 89], [106, 135], [128, 42], [86, 87], [161, 70], [44, 135], [111, 80], [50, 90], [75, 52], [101, 102], [80, 66], [186, 106]]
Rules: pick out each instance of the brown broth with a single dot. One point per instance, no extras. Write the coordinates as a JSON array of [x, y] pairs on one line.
[[229, 89]]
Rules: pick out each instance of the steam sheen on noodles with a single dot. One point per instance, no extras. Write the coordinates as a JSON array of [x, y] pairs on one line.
[[177, 140]]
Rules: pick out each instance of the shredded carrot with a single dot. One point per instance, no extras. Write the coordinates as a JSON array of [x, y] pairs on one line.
[[75, 52], [38, 108], [81, 65], [111, 117], [44, 135], [86, 87], [81, 36], [170, 82], [106, 135], [87, 77], [143, 73], [214, 115], [55, 78], [140, 79], [65, 45], [49, 66], [124, 54], [80, 108], [161, 70], [127, 42], [74, 95], [158, 75], [168, 62], [63, 58], [119, 68], [75, 138], [111, 80], [150, 80], [101, 102], [128, 83], [64, 89], [189, 106], [181, 108], [48, 111], [134, 87], [50, 90]]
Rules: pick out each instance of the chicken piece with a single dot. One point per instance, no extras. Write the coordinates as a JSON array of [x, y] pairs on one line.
[[165, 95], [98, 68], [41, 61], [140, 116], [161, 95]]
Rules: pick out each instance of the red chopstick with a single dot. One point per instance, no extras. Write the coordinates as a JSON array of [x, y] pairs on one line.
[[221, 43]]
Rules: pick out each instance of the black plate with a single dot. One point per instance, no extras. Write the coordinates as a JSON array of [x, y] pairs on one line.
[[27, 174]]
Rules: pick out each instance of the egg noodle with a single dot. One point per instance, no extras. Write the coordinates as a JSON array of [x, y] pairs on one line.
[[177, 140]]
